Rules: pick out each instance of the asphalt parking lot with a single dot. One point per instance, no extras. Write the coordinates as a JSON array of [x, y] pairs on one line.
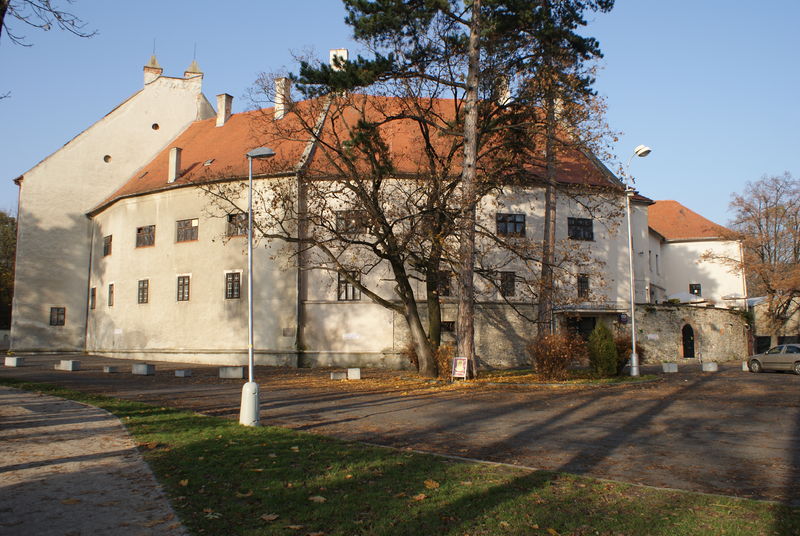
[[729, 432]]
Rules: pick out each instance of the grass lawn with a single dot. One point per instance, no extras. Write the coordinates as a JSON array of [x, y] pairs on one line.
[[226, 479]]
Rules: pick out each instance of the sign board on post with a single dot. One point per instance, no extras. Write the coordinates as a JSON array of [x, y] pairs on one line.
[[460, 365]]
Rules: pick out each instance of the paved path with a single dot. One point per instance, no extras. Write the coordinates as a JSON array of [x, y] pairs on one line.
[[731, 432], [67, 469]]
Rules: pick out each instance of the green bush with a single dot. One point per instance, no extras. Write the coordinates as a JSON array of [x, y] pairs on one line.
[[552, 354], [602, 351]]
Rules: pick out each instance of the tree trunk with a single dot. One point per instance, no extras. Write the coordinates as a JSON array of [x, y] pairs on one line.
[[422, 346], [432, 281], [545, 309], [3, 9], [466, 304]]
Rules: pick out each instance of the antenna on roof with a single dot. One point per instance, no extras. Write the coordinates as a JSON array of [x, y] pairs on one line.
[[154, 46], [194, 54]]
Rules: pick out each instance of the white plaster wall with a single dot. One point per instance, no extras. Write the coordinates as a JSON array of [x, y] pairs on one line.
[[655, 269], [208, 327], [683, 265], [54, 235]]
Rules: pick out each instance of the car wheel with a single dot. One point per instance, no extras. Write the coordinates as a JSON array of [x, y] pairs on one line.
[[797, 368], [755, 366]]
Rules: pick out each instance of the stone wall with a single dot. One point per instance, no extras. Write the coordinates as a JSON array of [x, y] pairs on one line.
[[719, 334]]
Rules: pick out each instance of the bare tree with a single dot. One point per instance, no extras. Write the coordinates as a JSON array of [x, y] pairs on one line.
[[41, 14]]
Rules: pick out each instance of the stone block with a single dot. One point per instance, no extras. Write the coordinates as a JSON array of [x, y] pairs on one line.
[[229, 373], [185, 373], [143, 369], [69, 365], [354, 374], [15, 361], [745, 366], [110, 369], [710, 366], [669, 367], [338, 375]]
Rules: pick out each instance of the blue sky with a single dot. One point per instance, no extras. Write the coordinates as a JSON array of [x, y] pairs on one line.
[[710, 85]]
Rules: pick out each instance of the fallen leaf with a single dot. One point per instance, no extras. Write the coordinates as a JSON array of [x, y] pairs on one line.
[[245, 494], [552, 532], [431, 484], [348, 476], [315, 534], [420, 497], [272, 455], [257, 470], [317, 499], [70, 501], [184, 483], [294, 527], [466, 483], [295, 449], [270, 517], [505, 524]]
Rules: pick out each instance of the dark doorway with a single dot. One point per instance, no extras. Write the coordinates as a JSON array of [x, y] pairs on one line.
[[581, 325], [688, 341]]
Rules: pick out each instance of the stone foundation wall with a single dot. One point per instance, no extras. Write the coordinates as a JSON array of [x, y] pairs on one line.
[[719, 334]]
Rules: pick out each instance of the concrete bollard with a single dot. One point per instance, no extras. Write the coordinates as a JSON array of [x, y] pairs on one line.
[[184, 373], [745, 366], [249, 409], [110, 369], [15, 362], [231, 373], [669, 368], [143, 369], [338, 375], [354, 374], [710, 366], [68, 365]]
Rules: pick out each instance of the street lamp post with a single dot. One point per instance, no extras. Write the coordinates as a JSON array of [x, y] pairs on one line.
[[249, 410], [641, 151]]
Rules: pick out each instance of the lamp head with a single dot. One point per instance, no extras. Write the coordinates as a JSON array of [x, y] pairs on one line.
[[260, 152], [642, 150]]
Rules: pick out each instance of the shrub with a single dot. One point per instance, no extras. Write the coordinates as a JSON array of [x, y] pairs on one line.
[[443, 356], [602, 351], [552, 354], [623, 344]]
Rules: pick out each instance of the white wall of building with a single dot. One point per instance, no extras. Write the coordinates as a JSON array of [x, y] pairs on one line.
[[683, 265]]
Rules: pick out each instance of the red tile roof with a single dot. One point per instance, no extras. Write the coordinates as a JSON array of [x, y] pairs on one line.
[[674, 221], [210, 152]]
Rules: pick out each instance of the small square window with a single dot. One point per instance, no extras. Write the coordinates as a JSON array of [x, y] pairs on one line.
[[694, 288], [145, 236], [107, 245], [583, 286], [580, 228], [510, 224], [233, 285], [445, 286], [183, 287], [93, 298], [58, 316], [237, 224], [448, 326], [111, 295], [351, 222], [187, 230], [508, 282], [348, 291], [143, 294]]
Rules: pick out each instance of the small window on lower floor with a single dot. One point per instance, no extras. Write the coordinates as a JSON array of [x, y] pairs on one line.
[[233, 285], [183, 287], [448, 326], [58, 316], [583, 286], [347, 290], [143, 294], [111, 295], [508, 282], [93, 298]]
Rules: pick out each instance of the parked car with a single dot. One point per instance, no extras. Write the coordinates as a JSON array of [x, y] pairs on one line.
[[781, 357]]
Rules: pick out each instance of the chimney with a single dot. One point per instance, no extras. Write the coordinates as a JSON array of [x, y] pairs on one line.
[[341, 53], [174, 164], [152, 70], [283, 96], [224, 105]]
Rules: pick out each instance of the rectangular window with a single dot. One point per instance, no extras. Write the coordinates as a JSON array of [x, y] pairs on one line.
[[107, 245], [448, 326], [183, 287], [445, 287], [237, 224], [93, 298], [347, 290], [187, 230], [143, 294], [580, 228], [351, 222], [658, 267], [583, 286], [233, 285], [111, 295], [58, 316], [508, 284], [510, 224], [694, 288], [145, 236]]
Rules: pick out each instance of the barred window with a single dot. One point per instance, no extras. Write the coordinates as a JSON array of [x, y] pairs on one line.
[[58, 316], [510, 224], [351, 222], [448, 326], [237, 224], [183, 287], [508, 282], [145, 236], [347, 290], [583, 286], [233, 285], [93, 298], [143, 294], [580, 228], [111, 295], [107, 245], [696, 289], [187, 230]]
